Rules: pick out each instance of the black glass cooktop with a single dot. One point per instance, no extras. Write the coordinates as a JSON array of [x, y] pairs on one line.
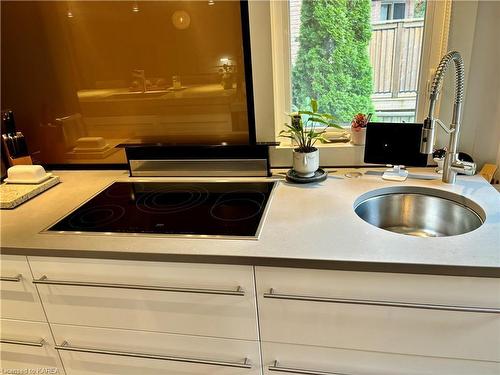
[[177, 208]]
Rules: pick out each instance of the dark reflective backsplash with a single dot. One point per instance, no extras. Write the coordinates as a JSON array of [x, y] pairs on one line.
[[85, 76]]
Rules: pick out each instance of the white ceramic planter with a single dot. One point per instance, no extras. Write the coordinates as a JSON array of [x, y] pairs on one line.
[[306, 163], [358, 137]]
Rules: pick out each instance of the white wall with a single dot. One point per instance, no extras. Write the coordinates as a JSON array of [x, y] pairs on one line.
[[262, 68], [475, 32]]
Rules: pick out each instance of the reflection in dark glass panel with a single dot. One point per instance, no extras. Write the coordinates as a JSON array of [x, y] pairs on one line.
[[85, 76]]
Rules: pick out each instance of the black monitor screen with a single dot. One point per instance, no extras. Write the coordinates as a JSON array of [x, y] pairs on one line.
[[394, 143]]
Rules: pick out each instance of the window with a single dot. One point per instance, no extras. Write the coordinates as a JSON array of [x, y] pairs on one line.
[[352, 63], [385, 12], [384, 69], [391, 11], [398, 11]]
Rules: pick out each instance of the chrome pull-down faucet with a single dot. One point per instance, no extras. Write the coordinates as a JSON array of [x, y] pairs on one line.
[[451, 163]]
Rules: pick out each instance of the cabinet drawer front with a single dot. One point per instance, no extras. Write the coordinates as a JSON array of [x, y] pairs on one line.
[[200, 299], [311, 309], [27, 346], [19, 299], [299, 359], [92, 351]]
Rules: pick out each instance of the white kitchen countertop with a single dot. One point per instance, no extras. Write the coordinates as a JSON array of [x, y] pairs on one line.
[[306, 226]]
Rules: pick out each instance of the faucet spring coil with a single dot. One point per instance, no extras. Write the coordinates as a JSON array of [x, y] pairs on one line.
[[459, 75]]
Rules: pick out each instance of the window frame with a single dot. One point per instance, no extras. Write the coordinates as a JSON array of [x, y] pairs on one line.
[[391, 6], [437, 23]]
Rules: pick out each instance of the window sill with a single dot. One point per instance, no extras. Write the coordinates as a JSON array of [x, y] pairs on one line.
[[330, 154], [324, 145]]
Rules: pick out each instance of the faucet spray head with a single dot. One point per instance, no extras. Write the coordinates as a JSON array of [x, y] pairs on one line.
[[427, 137]]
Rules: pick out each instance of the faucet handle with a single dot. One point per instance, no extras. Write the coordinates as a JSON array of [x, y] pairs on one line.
[[469, 168], [465, 167]]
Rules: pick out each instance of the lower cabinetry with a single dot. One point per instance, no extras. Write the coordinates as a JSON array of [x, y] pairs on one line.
[[18, 295], [130, 317], [27, 348], [455, 320], [314, 360], [185, 298], [96, 351]]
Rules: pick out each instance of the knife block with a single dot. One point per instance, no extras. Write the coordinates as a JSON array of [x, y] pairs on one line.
[[22, 160]]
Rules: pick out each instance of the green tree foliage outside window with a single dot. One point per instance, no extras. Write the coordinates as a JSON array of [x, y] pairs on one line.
[[333, 63], [420, 6]]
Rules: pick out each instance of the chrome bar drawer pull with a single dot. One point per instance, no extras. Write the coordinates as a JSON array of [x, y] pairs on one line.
[[15, 279], [65, 346], [277, 368], [45, 280], [25, 343], [425, 306]]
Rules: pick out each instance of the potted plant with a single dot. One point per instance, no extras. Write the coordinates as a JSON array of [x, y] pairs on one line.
[[305, 129], [358, 128], [226, 73]]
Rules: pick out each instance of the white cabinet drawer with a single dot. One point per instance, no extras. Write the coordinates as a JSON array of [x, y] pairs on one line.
[[310, 307], [199, 299], [19, 299], [28, 348], [310, 360], [95, 351]]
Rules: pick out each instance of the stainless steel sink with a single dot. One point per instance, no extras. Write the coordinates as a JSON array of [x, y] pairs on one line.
[[418, 211]]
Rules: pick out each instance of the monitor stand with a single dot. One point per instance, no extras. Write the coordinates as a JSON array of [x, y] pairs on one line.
[[396, 173]]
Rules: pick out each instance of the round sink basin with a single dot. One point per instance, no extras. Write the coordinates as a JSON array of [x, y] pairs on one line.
[[418, 211]]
